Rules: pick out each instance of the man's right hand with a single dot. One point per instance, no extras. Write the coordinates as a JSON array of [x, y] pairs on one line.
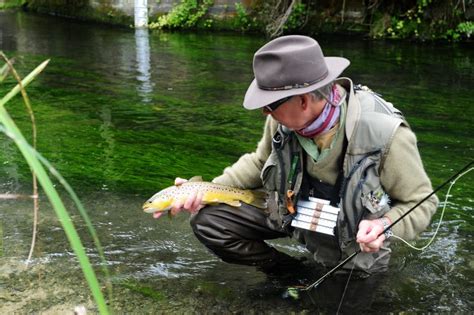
[[192, 204]]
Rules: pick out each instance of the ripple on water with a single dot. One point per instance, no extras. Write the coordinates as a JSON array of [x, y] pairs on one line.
[[180, 267]]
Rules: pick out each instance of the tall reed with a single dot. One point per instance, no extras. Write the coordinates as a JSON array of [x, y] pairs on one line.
[[37, 164]]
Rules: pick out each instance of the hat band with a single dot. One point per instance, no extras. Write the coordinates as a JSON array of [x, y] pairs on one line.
[[294, 86]]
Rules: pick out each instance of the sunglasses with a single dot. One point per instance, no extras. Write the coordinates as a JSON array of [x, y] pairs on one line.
[[273, 106]]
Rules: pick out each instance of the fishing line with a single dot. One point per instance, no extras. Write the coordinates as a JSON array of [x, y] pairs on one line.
[[347, 285], [440, 219], [404, 241], [350, 257]]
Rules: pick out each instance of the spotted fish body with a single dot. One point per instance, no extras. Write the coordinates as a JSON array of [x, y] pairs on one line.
[[211, 194]]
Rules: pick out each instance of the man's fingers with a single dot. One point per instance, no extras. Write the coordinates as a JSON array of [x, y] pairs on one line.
[[364, 226], [178, 181], [193, 203], [197, 204], [369, 236], [176, 207], [369, 231], [374, 246], [188, 205]]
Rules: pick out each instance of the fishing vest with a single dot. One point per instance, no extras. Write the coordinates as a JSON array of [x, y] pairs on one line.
[[369, 127]]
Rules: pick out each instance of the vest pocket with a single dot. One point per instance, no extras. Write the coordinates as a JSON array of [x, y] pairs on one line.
[[359, 189], [376, 202], [372, 195]]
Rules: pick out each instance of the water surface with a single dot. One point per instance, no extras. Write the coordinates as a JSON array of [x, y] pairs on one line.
[[122, 112]]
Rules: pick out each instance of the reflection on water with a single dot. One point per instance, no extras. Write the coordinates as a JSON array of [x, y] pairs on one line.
[[143, 64], [106, 132], [121, 113]]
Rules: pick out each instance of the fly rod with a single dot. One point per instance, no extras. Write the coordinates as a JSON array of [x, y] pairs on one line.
[[349, 258]]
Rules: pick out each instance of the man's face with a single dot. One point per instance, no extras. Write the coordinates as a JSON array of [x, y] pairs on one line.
[[298, 112]]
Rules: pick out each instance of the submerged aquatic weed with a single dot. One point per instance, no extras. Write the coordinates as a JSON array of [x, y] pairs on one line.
[[37, 166], [143, 290]]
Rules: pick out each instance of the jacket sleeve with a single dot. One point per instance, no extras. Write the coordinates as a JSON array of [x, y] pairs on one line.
[[245, 173], [406, 182]]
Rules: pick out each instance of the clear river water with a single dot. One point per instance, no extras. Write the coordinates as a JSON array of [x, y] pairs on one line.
[[122, 112]]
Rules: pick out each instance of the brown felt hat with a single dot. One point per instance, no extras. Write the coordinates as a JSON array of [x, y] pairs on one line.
[[290, 65]]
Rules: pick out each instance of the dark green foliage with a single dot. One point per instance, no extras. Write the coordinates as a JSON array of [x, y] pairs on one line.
[[242, 20], [422, 20], [7, 4], [411, 19], [297, 18]]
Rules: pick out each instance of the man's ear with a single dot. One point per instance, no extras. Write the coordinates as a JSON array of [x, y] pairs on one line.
[[305, 100]]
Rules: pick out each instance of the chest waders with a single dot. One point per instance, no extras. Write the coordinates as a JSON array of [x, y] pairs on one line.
[[370, 126]]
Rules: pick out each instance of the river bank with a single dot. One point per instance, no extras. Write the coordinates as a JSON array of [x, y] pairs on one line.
[[414, 20]]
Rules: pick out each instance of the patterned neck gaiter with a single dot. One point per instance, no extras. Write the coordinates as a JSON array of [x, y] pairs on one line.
[[328, 117]]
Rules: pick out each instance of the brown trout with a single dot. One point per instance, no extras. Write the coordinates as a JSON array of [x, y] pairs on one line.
[[211, 194]]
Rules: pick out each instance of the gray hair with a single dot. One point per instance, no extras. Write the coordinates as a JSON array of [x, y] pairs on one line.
[[323, 92]]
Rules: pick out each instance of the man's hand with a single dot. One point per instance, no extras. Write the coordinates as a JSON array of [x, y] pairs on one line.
[[368, 238], [193, 204]]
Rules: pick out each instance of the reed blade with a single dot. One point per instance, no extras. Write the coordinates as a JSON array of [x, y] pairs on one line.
[[27, 80], [4, 72]]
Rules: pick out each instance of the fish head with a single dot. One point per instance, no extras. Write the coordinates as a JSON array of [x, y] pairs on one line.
[[157, 206], [160, 202]]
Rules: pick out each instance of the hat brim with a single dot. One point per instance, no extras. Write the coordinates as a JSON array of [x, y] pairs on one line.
[[257, 98]]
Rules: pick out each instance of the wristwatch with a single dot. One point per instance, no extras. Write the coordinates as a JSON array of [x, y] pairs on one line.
[[386, 223]]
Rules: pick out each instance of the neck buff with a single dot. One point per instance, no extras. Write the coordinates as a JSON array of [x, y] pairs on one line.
[[328, 117]]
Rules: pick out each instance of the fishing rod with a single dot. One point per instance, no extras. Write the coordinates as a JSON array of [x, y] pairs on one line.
[[349, 258]]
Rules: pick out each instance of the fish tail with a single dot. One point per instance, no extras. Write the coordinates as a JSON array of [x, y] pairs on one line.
[[257, 198]]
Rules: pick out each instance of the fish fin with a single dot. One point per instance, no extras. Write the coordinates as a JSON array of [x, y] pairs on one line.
[[233, 203], [195, 179], [258, 199]]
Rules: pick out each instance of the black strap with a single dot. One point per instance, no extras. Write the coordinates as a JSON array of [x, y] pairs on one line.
[[323, 190]]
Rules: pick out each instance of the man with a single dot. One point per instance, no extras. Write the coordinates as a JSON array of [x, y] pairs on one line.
[[334, 153]]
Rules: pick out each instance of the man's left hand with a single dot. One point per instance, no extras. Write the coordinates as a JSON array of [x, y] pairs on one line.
[[368, 235]]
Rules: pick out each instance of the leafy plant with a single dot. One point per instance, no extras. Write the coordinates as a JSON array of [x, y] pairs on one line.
[[410, 23], [37, 165], [297, 18], [242, 20], [186, 15], [466, 28], [424, 20]]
